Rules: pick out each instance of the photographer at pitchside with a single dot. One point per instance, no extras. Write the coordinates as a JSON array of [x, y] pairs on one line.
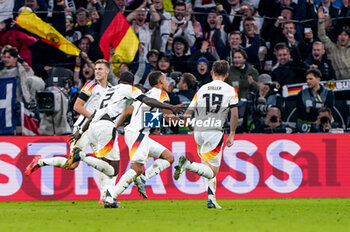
[[325, 122], [273, 123], [266, 98]]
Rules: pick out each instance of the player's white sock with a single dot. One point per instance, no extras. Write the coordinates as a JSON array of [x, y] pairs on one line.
[[211, 187], [103, 178], [54, 161], [200, 169], [106, 183], [158, 166], [100, 165], [110, 182], [124, 182]]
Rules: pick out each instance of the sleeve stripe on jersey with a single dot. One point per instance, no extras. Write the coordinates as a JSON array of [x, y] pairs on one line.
[[90, 89], [194, 99], [87, 88], [134, 89], [234, 101], [164, 96], [87, 85], [235, 98]]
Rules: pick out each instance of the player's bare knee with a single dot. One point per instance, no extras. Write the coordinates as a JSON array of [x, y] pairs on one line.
[[137, 167], [213, 168], [74, 166], [114, 164], [171, 159], [168, 156]]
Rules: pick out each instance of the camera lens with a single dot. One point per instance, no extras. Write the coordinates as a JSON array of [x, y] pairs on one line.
[[324, 119], [274, 85], [273, 118]]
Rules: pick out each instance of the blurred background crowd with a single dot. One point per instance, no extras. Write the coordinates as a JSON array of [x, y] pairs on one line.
[[290, 59]]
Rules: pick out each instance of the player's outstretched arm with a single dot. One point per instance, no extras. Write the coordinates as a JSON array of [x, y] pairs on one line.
[[157, 104], [233, 126], [79, 107], [170, 117], [126, 114], [187, 116]]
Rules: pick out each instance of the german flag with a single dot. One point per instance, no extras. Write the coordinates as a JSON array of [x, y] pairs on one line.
[[116, 32], [32, 23], [294, 90]]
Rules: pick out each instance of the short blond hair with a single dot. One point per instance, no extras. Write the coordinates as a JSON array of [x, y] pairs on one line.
[[102, 61]]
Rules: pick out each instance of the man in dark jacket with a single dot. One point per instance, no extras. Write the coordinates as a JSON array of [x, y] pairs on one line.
[[287, 71], [318, 60], [242, 75], [225, 51], [272, 9], [202, 72], [286, 32], [311, 99], [273, 123], [253, 44], [268, 97], [187, 86], [179, 47]]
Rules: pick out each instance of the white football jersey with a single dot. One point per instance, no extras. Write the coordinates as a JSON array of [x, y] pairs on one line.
[[91, 93], [116, 100], [213, 101], [136, 122]]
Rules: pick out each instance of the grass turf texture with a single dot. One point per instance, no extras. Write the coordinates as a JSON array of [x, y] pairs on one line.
[[179, 215]]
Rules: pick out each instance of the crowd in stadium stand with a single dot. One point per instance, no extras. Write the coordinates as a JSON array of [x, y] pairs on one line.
[[275, 48]]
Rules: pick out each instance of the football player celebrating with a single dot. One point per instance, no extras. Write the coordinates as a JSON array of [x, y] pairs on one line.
[[101, 132], [139, 144], [87, 102], [213, 100]]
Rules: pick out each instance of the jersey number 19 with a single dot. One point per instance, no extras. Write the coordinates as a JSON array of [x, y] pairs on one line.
[[213, 102]]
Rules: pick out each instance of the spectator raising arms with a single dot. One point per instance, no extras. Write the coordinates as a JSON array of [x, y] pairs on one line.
[[317, 59], [339, 52]]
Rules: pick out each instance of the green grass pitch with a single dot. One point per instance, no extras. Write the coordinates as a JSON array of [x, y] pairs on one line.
[[297, 215]]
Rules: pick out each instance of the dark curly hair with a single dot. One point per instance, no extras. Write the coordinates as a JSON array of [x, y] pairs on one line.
[[180, 39]]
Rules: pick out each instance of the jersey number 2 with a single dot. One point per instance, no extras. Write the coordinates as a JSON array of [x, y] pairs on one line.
[[106, 99]]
